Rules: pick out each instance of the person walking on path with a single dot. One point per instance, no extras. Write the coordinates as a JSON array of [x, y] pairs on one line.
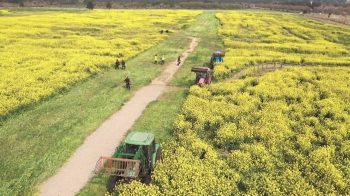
[[117, 63], [162, 60], [127, 82], [178, 61], [155, 59], [123, 65]]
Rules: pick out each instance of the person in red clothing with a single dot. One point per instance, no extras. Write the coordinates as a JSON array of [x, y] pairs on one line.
[[117, 63], [127, 82]]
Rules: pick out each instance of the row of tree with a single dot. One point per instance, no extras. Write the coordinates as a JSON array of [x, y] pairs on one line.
[[300, 5], [295, 2], [316, 8], [187, 5]]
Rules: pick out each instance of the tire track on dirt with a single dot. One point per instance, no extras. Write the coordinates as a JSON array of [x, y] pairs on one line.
[[263, 70]]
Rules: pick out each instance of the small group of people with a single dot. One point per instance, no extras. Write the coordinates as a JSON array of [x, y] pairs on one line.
[[127, 79], [117, 64], [162, 59]]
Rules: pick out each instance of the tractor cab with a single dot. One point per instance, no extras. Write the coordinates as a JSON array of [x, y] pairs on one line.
[[203, 75], [143, 144], [217, 57]]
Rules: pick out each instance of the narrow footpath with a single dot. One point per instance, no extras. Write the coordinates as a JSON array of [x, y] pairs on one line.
[[79, 168]]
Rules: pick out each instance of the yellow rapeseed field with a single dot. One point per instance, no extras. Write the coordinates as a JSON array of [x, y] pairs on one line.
[[283, 133], [252, 38], [44, 52]]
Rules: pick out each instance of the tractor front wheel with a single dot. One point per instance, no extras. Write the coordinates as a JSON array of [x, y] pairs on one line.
[[159, 156], [147, 179], [112, 183]]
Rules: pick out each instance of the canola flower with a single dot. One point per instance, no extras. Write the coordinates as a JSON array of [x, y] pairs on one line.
[[252, 38], [283, 133], [44, 52]]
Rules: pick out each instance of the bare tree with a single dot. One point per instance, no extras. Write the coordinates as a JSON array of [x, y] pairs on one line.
[[90, 5]]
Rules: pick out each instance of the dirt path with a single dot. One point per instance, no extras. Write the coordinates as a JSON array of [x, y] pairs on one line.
[[342, 21], [78, 170]]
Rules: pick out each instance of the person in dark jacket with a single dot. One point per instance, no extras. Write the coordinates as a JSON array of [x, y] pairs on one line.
[[127, 82], [123, 64]]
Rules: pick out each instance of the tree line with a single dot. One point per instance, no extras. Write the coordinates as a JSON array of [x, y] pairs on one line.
[[300, 5]]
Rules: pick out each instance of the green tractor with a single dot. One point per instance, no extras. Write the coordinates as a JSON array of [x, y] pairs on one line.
[[134, 159]]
